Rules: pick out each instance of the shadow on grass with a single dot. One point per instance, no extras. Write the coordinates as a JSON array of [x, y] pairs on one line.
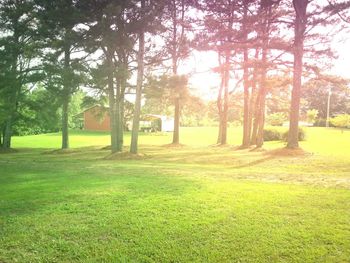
[[70, 186]]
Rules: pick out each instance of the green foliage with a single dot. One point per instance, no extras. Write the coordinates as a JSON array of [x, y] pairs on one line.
[[341, 121], [316, 92], [311, 116], [272, 135], [38, 113], [276, 119], [301, 135]]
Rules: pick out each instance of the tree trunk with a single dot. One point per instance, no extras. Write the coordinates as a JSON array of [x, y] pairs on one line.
[[261, 119], [120, 132], [299, 30], [65, 110], [254, 100], [256, 122], [1, 134], [247, 109], [111, 101], [176, 134], [140, 70], [8, 133], [66, 97], [225, 104], [219, 103]]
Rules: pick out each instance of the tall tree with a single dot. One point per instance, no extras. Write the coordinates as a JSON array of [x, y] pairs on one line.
[[59, 21], [140, 73], [300, 23], [177, 45], [220, 35], [19, 64], [112, 30]]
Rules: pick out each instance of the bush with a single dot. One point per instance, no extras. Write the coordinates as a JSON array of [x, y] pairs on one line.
[[312, 116], [301, 135], [272, 135], [341, 121], [320, 122], [281, 135], [276, 119]]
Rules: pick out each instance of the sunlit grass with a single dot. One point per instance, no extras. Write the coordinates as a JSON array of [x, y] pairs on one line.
[[196, 203]]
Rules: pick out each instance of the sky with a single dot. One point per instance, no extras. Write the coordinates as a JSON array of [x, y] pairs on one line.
[[204, 82]]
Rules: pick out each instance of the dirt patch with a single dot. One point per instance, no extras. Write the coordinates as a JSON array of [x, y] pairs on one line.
[[285, 152], [258, 150], [10, 150], [126, 156], [219, 145], [108, 147], [174, 145], [61, 151]]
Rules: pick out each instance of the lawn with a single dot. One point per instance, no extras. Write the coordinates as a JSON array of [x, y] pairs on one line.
[[196, 203]]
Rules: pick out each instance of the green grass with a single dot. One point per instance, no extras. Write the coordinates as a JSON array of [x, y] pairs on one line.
[[196, 203]]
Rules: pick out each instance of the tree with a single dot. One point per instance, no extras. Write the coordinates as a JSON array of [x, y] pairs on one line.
[[219, 35], [300, 23], [316, 28], [140, 72], [177, 46], [59, 21], [19, 67], [111, 31], [316, 91]]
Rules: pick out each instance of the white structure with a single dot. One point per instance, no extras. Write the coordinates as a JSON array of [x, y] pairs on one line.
[[154, 123], [162, 123]]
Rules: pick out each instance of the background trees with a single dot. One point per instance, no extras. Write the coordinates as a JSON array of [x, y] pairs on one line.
[[58, 25], [20, 47], [115, 48]]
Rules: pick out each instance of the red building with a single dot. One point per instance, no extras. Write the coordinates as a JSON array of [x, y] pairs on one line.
[[96, 118]]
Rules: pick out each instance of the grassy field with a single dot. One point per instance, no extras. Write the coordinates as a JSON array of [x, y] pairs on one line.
[[196, 203]]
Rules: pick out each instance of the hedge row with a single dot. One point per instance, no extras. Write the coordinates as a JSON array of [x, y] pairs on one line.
[[281, 135]]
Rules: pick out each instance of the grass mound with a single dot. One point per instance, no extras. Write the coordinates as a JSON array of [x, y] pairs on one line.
[[174, 145], [126, 156], [62, 151], [286, 152], [10, 150]]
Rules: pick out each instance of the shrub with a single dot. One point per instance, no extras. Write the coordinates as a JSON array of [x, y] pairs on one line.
[[272, 135], [341, 121], [320, 122], [301, 135], [312, 116], [276, 119]]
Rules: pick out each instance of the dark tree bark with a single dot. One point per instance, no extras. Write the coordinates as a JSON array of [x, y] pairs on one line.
[[300, 7], [254, 100], [262, 103], [111, 101], [66, 97], [177, 41], [219, 103], [120, 112], [247, 109], [225, 102], [8, 133], [140, 72]]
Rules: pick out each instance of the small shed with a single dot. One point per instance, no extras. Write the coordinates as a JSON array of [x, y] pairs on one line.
[[96, 118], [157, 123]]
